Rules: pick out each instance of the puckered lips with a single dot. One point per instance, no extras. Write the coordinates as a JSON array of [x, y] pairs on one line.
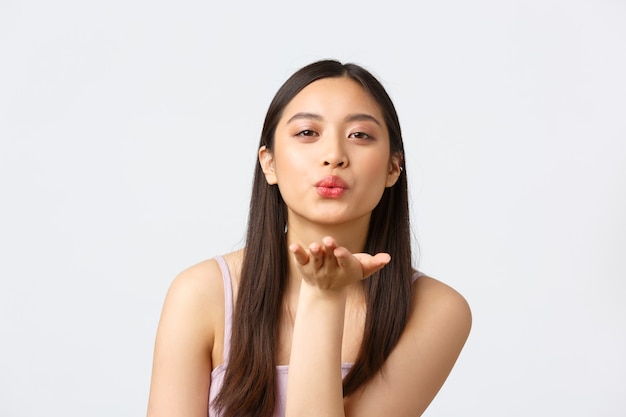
[[331, 186]]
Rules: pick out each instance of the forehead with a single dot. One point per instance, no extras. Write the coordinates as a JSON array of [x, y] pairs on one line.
[[336, 96]]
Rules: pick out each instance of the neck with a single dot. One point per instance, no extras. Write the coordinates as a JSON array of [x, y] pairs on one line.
[[351, 235]]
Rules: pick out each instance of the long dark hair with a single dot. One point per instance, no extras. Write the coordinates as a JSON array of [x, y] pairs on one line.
[[249, 386]]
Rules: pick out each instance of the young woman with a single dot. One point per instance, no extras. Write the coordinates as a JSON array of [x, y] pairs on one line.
[[322, 313]]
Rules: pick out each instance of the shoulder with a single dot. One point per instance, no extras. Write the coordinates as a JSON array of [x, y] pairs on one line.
[[197, 284], [202, 277], [436, 301], [440, 316], [200, 287], [193, 302], [438, 326], [187, 331]]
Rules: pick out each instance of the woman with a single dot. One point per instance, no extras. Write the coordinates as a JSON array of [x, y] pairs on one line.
[[324, 290]]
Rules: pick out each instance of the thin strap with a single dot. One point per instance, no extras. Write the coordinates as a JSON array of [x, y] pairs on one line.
[[228, 305], [415, 276]]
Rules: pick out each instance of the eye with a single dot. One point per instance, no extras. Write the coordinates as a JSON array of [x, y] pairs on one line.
[[360, 135], [306, 132]]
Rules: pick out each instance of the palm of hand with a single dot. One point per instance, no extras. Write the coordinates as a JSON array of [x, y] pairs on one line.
[[328, 266]]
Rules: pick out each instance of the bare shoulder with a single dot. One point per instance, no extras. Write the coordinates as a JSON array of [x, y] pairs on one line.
[[204, 279], [428, 349], [198, 285], [199, 289], [437, 303], [192, 307], [189, 341], [433, 339]]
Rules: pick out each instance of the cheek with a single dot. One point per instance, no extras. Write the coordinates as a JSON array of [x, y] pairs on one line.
[[287, 171], [290, 162], [378, 167]]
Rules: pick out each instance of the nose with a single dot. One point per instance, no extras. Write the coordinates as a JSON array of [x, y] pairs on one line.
[[334, 154]]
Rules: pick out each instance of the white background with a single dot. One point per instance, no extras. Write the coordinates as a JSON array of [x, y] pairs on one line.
[[128, 138]]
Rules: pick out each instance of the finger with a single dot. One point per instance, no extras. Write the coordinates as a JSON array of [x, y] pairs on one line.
[[299, 254], [330, 245], [343, 255], [316, 253], [346, 261], [371, 264]]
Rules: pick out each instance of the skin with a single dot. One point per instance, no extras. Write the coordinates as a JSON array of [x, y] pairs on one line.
[[332, 127]]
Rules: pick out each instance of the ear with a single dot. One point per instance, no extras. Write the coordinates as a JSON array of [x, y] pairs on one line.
[[395, 169], [266, 159]]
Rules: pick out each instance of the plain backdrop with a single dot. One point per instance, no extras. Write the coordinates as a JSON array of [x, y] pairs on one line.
[[128, 135]]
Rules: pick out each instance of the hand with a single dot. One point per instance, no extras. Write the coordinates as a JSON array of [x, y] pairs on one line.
[[332, 267]]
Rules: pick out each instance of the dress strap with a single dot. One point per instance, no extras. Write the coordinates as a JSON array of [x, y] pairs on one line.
[[228, 305], [415, 276]]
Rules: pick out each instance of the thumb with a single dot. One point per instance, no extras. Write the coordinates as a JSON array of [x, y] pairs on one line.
[[371, 264]]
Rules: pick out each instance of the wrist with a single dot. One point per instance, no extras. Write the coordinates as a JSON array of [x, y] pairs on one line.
[[309, 291]]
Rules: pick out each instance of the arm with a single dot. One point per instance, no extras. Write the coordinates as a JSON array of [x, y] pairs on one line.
[[411, 376], [315, 382], [182, 355]]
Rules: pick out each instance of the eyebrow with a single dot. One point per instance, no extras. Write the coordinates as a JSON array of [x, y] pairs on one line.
[[308, 116], [348, 118], [361, 117]]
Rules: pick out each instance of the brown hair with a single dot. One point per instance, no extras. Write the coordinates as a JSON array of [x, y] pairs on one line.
[[249, 385]]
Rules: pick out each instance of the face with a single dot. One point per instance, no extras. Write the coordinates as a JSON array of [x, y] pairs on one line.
[[331, 158]]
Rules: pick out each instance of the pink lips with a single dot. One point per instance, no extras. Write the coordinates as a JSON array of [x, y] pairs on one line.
[[331, 187]]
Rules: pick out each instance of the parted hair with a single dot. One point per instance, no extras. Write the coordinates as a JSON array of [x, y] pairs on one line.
[[249, 387]]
